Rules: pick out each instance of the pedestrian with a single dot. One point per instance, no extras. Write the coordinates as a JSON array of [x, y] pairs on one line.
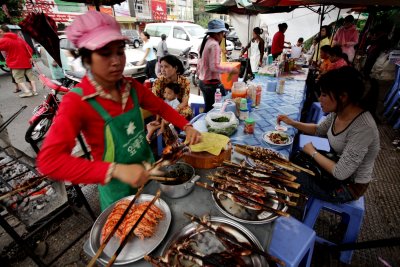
[[19, 60], [149, 56], [324, 38], [105, 107], [347, 37], [162, 51], [209, 65], [224, 52], [278, 42], [256, 52]]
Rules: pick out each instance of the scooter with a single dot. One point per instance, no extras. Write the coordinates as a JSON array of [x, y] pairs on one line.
[[184, 56], [44, 113]]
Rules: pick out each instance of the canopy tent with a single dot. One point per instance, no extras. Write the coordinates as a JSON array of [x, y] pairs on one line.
[[97, 3], [338, 3]]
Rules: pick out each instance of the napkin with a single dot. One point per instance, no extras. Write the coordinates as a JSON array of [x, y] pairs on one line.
[[211, 142]]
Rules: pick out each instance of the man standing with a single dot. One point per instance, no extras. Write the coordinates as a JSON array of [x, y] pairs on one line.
[[347, 37], [19, 59]]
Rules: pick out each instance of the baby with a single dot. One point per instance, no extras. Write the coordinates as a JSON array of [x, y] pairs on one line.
[[171, 92]]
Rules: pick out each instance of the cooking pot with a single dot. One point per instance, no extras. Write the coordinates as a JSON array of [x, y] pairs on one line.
[[183, 187]]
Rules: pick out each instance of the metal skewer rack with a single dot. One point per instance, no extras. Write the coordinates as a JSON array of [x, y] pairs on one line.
[[33, 199]]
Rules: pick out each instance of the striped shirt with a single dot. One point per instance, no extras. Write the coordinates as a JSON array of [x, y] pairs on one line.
[[209, 67], [357, 146]]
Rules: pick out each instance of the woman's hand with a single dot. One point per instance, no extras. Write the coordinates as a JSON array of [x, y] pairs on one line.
[[192, 135], [285, 119], [234, 71], [133, 174], [309, 149]]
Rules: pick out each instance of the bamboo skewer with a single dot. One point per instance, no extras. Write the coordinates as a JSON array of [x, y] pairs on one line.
[[264, 207], [115, 228], [221, 180], [163, 179], [280, 179], [256, 250], [23, 188], [127, 237]]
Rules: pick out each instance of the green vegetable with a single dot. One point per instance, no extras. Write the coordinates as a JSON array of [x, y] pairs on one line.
[[228, 131], [221, 119]]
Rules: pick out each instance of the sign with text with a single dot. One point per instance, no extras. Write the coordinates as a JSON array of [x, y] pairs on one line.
[[159, 10]]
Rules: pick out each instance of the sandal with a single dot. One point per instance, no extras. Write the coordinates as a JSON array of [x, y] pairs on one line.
[[17, 91]]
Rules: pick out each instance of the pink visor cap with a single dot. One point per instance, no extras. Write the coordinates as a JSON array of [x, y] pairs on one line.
[[93, 30]]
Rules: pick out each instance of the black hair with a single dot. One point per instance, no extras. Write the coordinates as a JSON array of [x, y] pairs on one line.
[[336, 51], [174, 87], [258, 30], [203, 44], [326, 49], [327, 30], [146, 34], [163, 37], [345, 80], [349, 19], [5, 28], [227, 26], [282, 26], [86, 56], [301, 40], [174, 62]]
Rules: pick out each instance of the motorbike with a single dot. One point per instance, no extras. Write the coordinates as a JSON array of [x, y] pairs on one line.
[[44, 113], [193, 59], [184, 57]]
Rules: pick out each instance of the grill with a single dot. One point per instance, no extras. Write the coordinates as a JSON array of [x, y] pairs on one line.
[[25, 193]]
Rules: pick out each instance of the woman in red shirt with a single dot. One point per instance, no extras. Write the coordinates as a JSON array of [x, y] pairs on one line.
[[105, 107], [278, 42], [337, 58]]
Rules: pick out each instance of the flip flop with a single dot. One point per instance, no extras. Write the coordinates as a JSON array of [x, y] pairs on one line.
[[17, 91]]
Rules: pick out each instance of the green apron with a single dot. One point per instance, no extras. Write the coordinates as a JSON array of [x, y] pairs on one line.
[[125, 142]]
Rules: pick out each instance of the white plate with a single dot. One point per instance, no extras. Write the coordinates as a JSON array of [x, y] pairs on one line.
[[266, 138], [136, 248]]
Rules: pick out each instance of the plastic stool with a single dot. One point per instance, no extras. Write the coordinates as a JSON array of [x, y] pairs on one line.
[[292, 242], [196, 108], [352, 214], [315, 113]]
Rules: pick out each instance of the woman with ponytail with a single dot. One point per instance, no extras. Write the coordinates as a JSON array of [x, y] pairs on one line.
[[256, 52], [209, 67]]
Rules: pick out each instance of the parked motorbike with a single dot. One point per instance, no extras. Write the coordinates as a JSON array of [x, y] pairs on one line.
[[184, 57], [44, 113]]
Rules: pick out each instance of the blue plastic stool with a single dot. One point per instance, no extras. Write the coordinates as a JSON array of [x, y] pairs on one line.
[[196, 108], [395, 88], [292, 242], [397, 124], [352, 214], [315, 113], [389, 108]]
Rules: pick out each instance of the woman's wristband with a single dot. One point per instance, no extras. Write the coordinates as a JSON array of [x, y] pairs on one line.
[[110, 172]]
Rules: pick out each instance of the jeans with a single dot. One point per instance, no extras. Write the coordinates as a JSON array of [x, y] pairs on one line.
[[208, 91], [151, 69]]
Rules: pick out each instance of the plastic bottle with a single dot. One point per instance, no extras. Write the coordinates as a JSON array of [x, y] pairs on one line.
[[258, 94], [218, 96]]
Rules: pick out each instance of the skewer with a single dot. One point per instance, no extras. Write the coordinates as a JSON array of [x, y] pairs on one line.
[[264, 207], [127, 237], [264, 193], [23, 188], [163, 179], [256, 250], [269, 175], [116, 226], [303, 169]]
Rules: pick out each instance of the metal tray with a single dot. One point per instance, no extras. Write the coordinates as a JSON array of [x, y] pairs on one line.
[[136, 248], [189, 231]]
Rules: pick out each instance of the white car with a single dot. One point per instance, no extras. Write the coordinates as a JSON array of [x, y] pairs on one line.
[[180, 35], [132, 57]]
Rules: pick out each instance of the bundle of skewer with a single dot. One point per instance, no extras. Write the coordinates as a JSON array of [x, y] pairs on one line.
[[269, 159]]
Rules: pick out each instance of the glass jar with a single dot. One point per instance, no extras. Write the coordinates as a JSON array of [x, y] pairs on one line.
[[249, 124]]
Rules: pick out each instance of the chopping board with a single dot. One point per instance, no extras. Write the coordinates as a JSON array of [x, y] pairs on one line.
[[205, 160]]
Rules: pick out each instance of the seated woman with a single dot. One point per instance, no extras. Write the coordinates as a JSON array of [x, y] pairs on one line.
[[337, 58], [325, 64], [171, 72], [352, 135]]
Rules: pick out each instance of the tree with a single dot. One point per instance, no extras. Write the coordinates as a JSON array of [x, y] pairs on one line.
[[200, 17], [11, 11]]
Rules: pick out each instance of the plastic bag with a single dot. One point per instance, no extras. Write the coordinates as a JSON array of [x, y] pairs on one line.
[[383, 69], [224, 123]]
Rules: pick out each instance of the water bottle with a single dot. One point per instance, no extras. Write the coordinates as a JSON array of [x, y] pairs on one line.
[[218, 96]]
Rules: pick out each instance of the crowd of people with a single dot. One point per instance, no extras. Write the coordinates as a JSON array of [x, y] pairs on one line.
[[105, 106]]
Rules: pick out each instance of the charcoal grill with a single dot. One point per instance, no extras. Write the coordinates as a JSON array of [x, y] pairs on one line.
[[32, 198]]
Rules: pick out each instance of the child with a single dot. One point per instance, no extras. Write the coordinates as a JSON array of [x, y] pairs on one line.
[[337, 58], [170, 97]]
